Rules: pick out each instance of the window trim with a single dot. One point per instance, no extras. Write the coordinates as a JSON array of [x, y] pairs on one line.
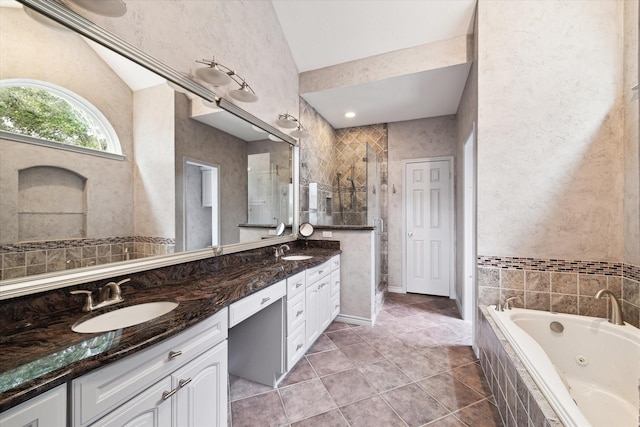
[[113, 142]]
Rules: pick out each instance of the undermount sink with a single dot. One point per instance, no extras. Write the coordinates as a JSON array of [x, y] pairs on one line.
[[296, 257], [124, 317]]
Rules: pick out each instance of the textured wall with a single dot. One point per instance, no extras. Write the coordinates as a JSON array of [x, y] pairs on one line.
[[243, 35], [154, 130], [200, 142], [413, 139], [550, 129], [467, 117], [65, 60], [416, 59], [631, 141]]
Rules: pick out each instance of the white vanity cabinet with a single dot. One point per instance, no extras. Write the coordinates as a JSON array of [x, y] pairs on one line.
[[46, 410], [181, 381], [318, 301], [296, 318], [335, 286]]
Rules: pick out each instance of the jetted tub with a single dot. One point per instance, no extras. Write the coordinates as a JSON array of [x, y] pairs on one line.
[[587, 368]]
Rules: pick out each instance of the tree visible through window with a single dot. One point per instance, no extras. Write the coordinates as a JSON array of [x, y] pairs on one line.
[[45, 111]]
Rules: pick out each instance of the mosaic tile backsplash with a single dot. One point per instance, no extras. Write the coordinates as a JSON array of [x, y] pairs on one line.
[[28, 259], [564, 286]]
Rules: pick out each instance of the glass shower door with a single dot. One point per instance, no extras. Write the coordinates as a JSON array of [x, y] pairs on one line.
[[373, 208]]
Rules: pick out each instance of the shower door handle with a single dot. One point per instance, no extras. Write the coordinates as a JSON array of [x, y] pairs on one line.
[[381, 224]]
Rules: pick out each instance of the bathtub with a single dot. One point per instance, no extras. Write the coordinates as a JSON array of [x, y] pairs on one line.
[[589, 372]]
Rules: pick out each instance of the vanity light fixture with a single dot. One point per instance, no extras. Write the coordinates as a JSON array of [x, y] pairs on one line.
[[287, 121], [349, 114], [217, 74]]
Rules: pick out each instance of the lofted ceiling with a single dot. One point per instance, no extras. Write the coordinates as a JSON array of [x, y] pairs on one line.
[[324, 33]]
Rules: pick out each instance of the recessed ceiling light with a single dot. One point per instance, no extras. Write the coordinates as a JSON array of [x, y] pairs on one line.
[[349, 114]]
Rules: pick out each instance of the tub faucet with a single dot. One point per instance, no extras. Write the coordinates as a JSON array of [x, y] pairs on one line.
[[615, 315], [507, 303]]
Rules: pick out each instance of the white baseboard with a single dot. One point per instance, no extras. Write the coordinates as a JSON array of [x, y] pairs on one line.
[[354, 320], [396, 289]]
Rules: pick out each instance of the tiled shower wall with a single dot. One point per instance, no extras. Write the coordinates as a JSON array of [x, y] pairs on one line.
[[328, 151], [563, 286], [28, 259], [351, 162]]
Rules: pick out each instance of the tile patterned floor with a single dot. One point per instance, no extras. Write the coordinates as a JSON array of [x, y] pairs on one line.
[[414, 368]]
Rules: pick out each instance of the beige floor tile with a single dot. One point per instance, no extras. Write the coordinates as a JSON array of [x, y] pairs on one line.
[[306, 399], [348, 386]]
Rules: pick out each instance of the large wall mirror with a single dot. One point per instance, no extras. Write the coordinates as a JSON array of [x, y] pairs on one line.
[[142, 167]]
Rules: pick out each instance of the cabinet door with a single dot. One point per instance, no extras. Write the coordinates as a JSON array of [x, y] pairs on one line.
[[324, 304], [47, 410], [148, 409], [312, 321], [201, 399]]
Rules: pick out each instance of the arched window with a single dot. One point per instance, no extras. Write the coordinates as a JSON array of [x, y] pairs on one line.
[[42, 110]]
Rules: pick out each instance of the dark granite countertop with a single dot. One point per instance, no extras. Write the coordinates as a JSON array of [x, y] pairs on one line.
[[39, 353]]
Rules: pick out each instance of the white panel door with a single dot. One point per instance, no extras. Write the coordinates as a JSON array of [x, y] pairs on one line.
[[428, 216]]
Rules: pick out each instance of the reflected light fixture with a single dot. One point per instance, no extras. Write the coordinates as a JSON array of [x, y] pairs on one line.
[[217, 74], [110, 8], [287, 121], [300, 132]]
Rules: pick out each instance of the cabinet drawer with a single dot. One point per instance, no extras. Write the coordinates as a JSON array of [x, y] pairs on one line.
[[335, 262], [316, 273], [248, 306], [296, 312], [95, 394], [335, 282], [335, 305], [296, 284], [295, 346]]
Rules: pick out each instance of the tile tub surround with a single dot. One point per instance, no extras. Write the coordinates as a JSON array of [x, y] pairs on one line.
[[415, 367], [39, 350], [559, 285], [518, 398], [30, 258]]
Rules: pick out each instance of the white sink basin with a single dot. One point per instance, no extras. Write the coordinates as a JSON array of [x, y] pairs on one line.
[[123, 317], [296, 257]]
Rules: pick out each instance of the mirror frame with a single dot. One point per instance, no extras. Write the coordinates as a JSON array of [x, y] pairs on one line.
[[33, 284]]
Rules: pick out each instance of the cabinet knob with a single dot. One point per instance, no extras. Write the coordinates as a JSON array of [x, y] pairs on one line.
[[265, 299], [174, 354], [298, 285], [337, 306], [299, 313], [167, 394], [298, 347], [321, 271], [183, 383]]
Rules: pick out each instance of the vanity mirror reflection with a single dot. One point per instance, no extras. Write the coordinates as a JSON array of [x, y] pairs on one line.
[[180, 170]]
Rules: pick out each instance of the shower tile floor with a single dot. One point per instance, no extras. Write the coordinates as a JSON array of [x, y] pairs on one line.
[[414, 368]]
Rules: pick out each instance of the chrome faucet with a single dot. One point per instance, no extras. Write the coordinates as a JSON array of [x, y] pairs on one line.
[[109, 294], [280, 250], [615, 315], [507, 305]]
